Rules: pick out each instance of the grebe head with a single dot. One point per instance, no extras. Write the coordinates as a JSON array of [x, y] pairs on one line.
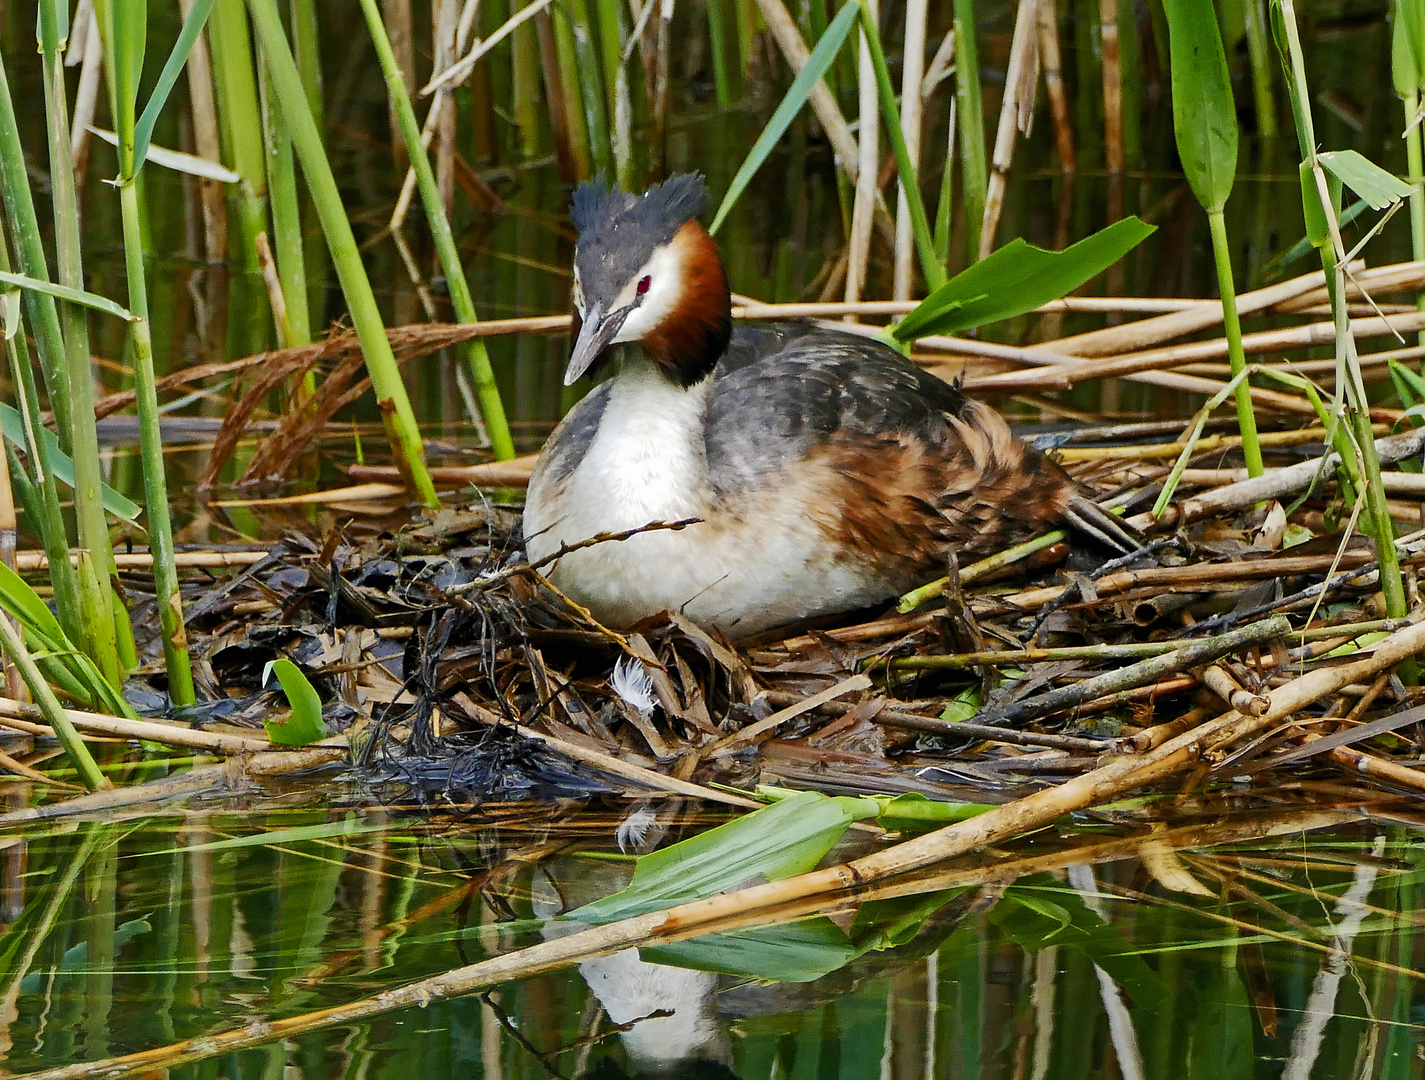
[[645, 271]]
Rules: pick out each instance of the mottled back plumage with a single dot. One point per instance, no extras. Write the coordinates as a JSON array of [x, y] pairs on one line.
[[826, 471]]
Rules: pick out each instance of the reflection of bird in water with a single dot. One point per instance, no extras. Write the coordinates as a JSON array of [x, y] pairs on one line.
[[696, 1040], [827, 471]]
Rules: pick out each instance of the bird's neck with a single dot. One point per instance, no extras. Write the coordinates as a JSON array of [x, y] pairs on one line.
[[687, 345]]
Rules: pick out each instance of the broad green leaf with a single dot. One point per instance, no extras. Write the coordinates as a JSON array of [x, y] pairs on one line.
[[26, 607], [172, 68], [305, 725], [777, 841], [964, 705], [178, 161], [802, 86], [74, 296], [1018, 278], [55, 653], [1364, 177], [1204, 116], [13, 425], [795, 952]]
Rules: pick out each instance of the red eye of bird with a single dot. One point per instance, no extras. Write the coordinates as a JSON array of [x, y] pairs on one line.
[[643, 284]]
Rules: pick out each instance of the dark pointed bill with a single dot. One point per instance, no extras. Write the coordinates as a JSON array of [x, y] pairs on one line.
[[595, 333]]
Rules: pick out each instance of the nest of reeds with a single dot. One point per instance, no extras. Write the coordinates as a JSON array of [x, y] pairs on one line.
[[458, 673]]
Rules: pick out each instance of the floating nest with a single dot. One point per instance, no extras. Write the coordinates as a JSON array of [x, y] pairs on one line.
[[458, 674]]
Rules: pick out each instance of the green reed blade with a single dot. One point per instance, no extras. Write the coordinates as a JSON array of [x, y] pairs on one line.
[[95, 595], [119, 22], [240, 122], [40, 493], [801, 88], [346, 255], [974, 162], [1407, 53], [1205, 127], [486, 389], [286, 222], [930, 266], [172, 69]]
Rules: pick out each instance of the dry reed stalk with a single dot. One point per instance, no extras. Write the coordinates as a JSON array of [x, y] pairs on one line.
[[1139, 335], [763, 902], [1016, 114], [853, 685], [939, 67], [1361, 285], [273, 284], [456, 72], [1295, 337], [554, 97], [1051, 61], [86, 94], [203, 779], [118, 727], [912, 74], [794, 50], [1203, 445], [444, 24], [26, 561], [355, 493], [648, 778], [868, 157], [513, 473], [1191, 575], [1400, 483], [1279, 482], [1113, 152]]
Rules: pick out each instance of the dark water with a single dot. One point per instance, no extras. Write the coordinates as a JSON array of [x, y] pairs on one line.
[[1079, 954]]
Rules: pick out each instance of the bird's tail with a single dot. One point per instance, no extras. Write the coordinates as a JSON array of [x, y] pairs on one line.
[[1086, 517]]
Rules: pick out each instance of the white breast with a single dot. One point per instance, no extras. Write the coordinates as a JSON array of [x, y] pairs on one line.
[[754, 562]]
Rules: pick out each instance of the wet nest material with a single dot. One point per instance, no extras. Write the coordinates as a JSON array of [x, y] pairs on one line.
[[458, 674]]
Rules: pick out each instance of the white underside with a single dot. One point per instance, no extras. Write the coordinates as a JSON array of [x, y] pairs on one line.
[[743, 570]]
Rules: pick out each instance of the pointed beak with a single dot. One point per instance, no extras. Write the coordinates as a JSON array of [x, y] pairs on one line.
[[595, 333]]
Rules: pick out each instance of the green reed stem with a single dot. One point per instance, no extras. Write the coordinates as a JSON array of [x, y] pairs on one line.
[[568, 66], [365, 315], [591, 83], [286, 221], [930, 266], [974, 164], [96, 597], [1415, 164], [486, 389], [718, 46], [1259, 57], [1246, 417], [240, 120], [160, 527], [40, 495], [54, 713], [1350, 389]]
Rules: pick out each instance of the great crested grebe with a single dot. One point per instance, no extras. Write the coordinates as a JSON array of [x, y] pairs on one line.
[[829, 472]]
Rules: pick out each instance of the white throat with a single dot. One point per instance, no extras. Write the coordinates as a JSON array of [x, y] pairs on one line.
[[648, 461]]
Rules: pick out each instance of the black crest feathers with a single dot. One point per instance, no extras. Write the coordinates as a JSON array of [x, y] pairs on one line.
[[599, 212]]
